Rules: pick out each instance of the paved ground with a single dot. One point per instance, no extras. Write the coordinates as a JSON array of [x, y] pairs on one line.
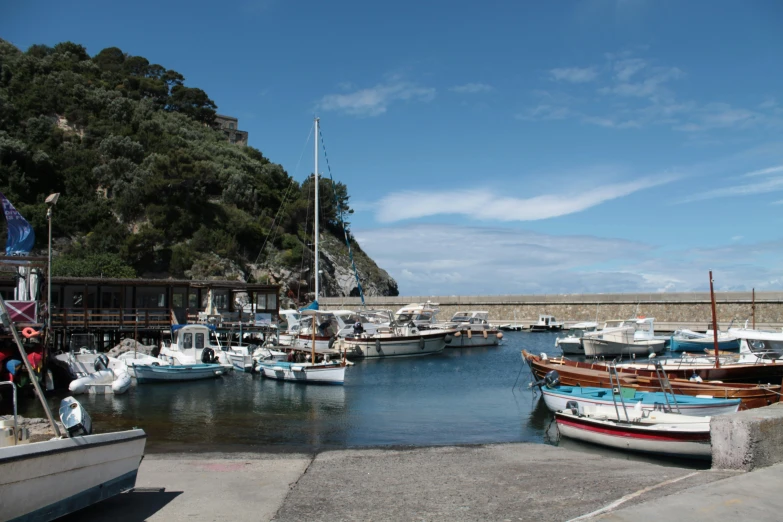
[[492, 482], [751, 496]]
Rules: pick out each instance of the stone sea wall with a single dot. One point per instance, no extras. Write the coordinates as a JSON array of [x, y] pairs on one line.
[[686, 308]]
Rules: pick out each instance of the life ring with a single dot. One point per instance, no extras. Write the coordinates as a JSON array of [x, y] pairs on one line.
[[30, 332]]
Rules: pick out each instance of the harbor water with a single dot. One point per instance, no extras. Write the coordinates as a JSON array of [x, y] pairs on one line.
[[461, 396]]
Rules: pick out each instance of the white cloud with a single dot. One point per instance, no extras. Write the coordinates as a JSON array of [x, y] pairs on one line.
[[374, 101], [773, 184], [471, 88], [625, 69], [764, 172], [430, 259], [574, 74], [485, 205]]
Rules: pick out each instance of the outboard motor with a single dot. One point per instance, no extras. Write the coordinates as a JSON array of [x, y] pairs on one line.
[[101, 362], [552, 379], [74, 417], [208, 356]]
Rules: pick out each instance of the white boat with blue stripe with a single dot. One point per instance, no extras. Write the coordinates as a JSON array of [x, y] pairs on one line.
[[318, 373], [176, 372], [557, 397]]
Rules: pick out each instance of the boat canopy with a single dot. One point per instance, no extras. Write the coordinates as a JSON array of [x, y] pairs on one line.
[[175, 327]]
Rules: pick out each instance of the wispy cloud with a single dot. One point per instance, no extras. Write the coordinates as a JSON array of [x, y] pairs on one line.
[[574, 74], [471, 88], [770, 184], [764, 172], [432, 259], [486, 205], [375, 101]]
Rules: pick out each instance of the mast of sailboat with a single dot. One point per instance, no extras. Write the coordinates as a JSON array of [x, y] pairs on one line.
[[753, 309], [714, 323], [315, 232]]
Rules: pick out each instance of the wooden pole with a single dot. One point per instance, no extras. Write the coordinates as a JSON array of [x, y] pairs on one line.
[[714, 323], [312, 348], [753, 309]]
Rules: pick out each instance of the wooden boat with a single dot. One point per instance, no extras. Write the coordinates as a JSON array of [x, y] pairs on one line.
[[573, 373], [558, 397], [649, 432]]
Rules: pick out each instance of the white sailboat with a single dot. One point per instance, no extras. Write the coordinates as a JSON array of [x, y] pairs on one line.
[[326, 372]]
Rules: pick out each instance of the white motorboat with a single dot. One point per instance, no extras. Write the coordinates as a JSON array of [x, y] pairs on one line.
[[306, 372], [93, 372], [289, 327], [399, 340], [547, 323], [472, 330], [195, 344], [631, 338], [644, 431], [572, 343], [423, 315]]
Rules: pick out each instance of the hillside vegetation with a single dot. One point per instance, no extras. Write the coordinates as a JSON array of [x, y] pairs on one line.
[[149, 188]]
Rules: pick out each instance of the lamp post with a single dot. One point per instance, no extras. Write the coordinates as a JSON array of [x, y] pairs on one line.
[[51, 201]]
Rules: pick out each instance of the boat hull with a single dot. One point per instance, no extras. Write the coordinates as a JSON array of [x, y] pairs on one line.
[[304, 372], [475, 339], [607, 348], [694, 345], [543, 328], [645, 439], [394, 346], [241, 362], [571, 345], [557, 400], [46, 480], [177, 373]]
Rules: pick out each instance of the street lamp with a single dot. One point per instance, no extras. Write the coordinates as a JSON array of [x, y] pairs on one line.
[[51, 201]]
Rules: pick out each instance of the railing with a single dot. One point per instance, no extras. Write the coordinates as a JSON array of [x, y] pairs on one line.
[[111, 318]]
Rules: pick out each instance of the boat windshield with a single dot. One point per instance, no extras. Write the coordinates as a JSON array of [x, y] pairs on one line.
[[765, 348], [459, 318]]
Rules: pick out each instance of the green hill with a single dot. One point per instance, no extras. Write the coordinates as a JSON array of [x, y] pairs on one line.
[[149, 187]]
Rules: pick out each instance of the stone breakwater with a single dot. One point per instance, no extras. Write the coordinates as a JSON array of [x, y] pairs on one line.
[[687, 308]]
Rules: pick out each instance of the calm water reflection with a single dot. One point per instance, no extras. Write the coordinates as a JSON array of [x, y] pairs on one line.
[[461, 396]]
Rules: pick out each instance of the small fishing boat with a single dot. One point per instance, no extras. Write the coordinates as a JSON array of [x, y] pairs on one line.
[[644, 431], [177, 372], [690, 341], [558, 396], [546, 323], [332, 372], [195, 344], [596, 374], [312, 371]]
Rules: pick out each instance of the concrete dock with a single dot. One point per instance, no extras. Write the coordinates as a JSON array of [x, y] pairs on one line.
[[456, 483]]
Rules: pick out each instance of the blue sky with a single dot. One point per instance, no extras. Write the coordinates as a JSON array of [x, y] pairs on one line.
[[494, 148]]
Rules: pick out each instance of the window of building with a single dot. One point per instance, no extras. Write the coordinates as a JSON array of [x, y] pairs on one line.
[[231, 126], [271, 301]]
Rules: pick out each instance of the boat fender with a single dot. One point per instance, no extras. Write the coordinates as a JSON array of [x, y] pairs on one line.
[[457, 334], [573, 406], [470, 334], [500, 335], [448, 339], [331, 341], [101, 362], [30, 332], [378, 345], [208, 356], [421, 343], [485, 334]]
